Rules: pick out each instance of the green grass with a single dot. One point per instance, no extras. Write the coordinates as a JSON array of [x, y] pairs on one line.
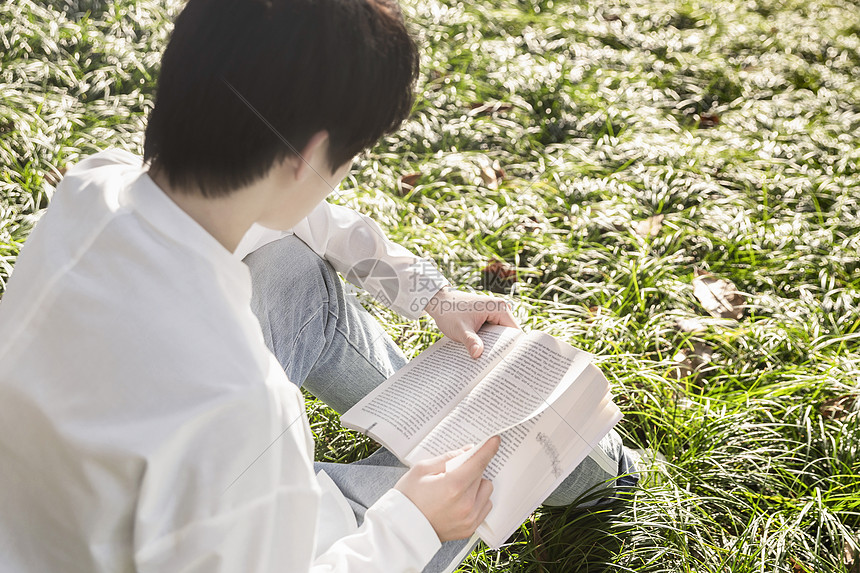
[[737, 121]]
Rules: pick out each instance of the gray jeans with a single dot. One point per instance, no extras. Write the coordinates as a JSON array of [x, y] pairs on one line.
[[328, 343]]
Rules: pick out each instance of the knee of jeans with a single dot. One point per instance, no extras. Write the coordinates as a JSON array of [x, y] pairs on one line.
[[294, 297], [593, 482], [288, 272]]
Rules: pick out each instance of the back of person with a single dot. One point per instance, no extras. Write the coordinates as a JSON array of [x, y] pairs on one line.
[[144, 424], [124, 332]]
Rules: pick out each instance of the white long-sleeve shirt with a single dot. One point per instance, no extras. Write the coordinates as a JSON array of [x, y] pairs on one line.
[[358, 249], [144, 425]]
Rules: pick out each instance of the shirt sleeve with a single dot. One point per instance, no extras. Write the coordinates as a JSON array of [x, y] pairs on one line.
[[395, 537], [359, 249], [393, 528], [193, 517]]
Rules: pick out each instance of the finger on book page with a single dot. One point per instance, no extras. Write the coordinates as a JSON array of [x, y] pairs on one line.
[[474, 344], [503, 316], [460, 456], [439, 465], [475, 459]]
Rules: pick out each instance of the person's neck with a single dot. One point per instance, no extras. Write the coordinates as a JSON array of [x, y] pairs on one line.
[[227, 218]]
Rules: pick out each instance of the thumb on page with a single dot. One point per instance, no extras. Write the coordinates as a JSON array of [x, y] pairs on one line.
[[474, 344], [439, 463]]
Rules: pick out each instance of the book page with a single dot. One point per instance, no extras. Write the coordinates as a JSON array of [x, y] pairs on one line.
[[533, 374], [403, 408], [556, 449], [550, 446]]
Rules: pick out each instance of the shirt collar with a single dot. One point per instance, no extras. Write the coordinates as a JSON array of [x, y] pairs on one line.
[[148, 200]]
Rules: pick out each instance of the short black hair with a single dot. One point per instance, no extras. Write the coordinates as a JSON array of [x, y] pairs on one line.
[[344, 66]]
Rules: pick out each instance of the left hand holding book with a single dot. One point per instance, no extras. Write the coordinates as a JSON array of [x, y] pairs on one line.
[[455, 501]]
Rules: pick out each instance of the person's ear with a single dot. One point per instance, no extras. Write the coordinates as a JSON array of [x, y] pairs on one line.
[[313, 154]]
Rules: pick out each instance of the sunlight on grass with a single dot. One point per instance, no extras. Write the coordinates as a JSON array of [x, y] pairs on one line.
[[738, 122]]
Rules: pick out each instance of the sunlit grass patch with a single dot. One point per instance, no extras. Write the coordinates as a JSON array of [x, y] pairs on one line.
[[545, 136]]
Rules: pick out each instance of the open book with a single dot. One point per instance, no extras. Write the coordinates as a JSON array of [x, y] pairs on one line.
[[550, 405]]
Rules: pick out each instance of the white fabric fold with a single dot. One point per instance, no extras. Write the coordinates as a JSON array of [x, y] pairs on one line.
[[358, 249], [144, 425]]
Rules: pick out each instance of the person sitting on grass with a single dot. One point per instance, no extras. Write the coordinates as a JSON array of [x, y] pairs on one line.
[[147, 421]]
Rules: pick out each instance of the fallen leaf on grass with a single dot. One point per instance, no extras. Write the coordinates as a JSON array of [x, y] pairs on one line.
[[498, 276], [719, 297], [538, 538], [799, 567], [491, 173], [691, 361], [839, 408], [649, 227], [488, 176], [851, 554], [708, 120], [54, 176], [406, 182]]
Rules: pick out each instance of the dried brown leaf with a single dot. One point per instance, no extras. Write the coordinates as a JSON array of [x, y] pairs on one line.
[[691, 361], [54, 176], [407, 181], [683, 367], [851, 554], [839, 408], [492, 172], [719, 297], [500, 171], [499, 276], [708, 120], [488, 176]]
